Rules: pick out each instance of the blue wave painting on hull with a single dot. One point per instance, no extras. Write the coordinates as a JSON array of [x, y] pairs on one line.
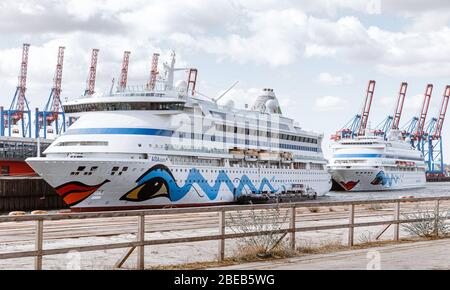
[[160, 182], [385, 180]]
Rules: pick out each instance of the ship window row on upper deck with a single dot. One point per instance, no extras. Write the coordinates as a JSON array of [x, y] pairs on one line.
[[82, 143], [261, 133], [247, 142], [370, 156], [129, 106]]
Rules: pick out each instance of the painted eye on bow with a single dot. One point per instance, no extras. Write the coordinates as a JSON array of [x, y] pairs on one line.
[[154, 188]]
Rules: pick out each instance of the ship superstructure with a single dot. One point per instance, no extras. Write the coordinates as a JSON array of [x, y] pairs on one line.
[[163, 145]]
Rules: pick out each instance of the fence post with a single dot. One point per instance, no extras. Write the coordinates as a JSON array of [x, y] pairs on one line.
[[293, 226], [222, 227], [397, 218], [38, 244], [436, 218], [141, 238], [351, 228]]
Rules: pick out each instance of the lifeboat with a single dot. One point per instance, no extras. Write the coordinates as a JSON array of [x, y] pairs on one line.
[[286, 157], [237, 153], [265, 155], [251, 155]]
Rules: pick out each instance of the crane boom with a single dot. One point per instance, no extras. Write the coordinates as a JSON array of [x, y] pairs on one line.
[[90, 89], [57, 85], [22, 86], [154, 72], [192, 81], [399, 107], [424, 112], [440, 121], [124, 73], [366, 108]]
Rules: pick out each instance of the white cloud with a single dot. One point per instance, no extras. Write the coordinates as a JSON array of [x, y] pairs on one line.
[[330, 103], [270, 32], [335, 80]]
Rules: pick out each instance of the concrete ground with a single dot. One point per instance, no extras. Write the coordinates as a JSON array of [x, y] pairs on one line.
[[428, 255]]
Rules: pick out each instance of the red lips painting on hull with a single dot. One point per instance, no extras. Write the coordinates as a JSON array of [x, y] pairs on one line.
[[75, 192], [349, 185]]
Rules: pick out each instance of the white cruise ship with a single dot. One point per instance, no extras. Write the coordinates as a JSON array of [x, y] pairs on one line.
[[375, 164], [166, 146]]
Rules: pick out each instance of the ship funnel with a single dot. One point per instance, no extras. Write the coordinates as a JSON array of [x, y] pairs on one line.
[[267, 103]]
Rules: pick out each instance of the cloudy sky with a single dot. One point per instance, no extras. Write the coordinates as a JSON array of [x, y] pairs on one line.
[[317, 55]]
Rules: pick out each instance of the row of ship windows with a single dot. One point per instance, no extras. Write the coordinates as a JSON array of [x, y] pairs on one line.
[[238, 181], [394, 170], [118, 171], [242, 171], [253, 132], [236, 142], [137, 106], [213, 139], [83, 143], [406, 169], [82, 170]]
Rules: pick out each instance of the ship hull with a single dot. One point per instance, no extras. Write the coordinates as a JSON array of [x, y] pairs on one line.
[[117, 185], [376, 179]]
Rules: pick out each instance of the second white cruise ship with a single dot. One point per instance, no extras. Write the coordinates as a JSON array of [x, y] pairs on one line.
[[164, 146], [371, 163]]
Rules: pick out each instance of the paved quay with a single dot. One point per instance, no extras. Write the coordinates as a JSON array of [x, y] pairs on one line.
[[428, 255]]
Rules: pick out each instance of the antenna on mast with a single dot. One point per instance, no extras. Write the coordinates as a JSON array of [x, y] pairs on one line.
[[226, 92], [112, 86], [215, 100]]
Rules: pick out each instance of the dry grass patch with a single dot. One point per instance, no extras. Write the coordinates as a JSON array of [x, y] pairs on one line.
[[314, 209], [250, 253], [375, 207], [324, 246]]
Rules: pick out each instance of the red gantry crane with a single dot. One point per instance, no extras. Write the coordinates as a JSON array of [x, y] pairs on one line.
[[19, 105], [392, 122], [124, 72], [415, 127], [424, 112], [192, 80], [90, 88], [357, 125], [399, 107], [366, 109], [437, 134], [154, 72], [433, 148], [53, 109]]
